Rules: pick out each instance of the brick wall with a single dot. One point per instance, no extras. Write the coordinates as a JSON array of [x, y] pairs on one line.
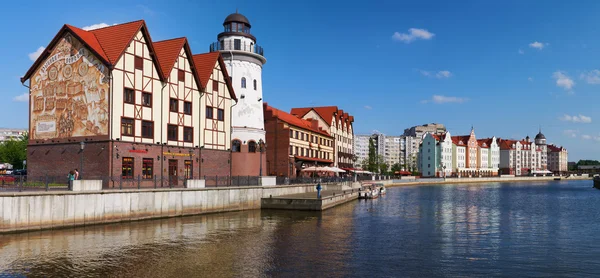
[[278, 139], [58, 159]]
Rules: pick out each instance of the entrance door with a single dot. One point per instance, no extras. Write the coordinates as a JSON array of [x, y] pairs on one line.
[[172, 172]]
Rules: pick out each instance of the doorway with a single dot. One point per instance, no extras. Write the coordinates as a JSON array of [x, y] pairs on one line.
[[172, 172]]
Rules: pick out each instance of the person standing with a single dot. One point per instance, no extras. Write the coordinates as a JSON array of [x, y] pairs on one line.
[[76, 174], [71, 178]]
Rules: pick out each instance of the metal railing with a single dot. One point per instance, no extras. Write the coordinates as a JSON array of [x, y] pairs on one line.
[[311, 180], [41, 183], [232, 45]]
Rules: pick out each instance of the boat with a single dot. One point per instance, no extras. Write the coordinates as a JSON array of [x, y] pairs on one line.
[[381, 188], [597, 182], [368, 192]]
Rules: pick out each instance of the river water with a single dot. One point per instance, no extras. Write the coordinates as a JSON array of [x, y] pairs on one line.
[[493, 229]]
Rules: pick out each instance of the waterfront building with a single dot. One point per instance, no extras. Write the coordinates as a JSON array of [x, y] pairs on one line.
[[244, 59], [411, 141], [522, 157], [388, 147], [436, 152], [7, 134], [124, 106], [339, 125], [557, 159], [421, 130], [542, 154], [361, 149], [295, 144]]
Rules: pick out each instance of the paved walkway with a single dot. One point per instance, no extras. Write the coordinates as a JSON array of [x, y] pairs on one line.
[[313, 195]]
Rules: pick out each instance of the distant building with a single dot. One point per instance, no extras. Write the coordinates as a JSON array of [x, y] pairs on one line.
[[339, 124], [557, 159], [361, 149], [420, 130], [522, 157], [389, 147], [7, 134]]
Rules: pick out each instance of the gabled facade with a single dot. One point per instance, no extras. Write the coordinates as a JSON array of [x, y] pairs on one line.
[[339, 124], [557, 159], [436, 155], [126, 106]]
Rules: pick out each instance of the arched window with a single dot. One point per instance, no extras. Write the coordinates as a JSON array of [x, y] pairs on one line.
[[251, 147], [243, 82], [255, 84], [236, 146]]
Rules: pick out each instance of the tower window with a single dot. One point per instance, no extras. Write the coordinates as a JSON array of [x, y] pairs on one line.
[[254, 84], [237, 44], [243, 82], [236, 146]]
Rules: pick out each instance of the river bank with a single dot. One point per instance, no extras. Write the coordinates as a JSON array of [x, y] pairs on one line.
[[436, 181]]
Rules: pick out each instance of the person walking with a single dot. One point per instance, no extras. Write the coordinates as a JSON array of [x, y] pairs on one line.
[[71, 178]]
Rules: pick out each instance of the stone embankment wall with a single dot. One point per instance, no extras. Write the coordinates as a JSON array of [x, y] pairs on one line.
[[476, 180], [20, 211]]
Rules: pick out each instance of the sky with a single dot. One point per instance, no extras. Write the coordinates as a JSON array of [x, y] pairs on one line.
[[506, 68]]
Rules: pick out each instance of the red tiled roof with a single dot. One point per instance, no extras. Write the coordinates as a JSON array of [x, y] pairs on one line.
[[313, 159], [456, 140], [205, 63], [116, 38], [293, 120], [487, 141], [167, 52], [506, 144], [554, 148], [89, 39]]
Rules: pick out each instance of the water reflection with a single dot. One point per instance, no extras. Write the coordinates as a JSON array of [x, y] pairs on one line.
[[529, 229]]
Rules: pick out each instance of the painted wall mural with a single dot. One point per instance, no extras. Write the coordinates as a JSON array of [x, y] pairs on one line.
[[69, 93]]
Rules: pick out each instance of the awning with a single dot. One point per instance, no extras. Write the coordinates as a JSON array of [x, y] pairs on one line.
[[337, 170], [541, 172]]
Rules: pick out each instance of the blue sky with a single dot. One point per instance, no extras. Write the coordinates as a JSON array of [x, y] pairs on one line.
[[505, 67]]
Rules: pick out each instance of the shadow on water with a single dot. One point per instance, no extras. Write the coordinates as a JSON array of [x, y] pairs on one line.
[[496, 229]]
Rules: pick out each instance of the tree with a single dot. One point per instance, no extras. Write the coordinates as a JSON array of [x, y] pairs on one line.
[[396, 168], [588, 162], [372, 163], [14, 151]]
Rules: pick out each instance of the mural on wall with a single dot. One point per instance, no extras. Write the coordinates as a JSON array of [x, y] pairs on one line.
[[69, 93]]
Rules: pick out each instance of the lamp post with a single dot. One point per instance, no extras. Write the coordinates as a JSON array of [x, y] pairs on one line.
[[261, 142], [81, 146], [191, 175]]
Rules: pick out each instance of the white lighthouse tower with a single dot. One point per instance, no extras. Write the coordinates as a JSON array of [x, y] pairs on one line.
[[244, 60]]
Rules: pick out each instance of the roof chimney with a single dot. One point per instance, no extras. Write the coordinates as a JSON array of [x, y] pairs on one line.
[[314, 123]]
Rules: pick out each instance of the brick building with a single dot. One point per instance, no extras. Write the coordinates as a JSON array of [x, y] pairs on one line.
[[295, 143], [128, 107], [339, 124]]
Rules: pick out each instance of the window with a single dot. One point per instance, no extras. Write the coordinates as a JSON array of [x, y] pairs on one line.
[[215, 86], [181, 75], [254, 84], [147, 129], [173, 105], [188, 134], [291, 150], [209, 112], [301, 151], [243, 82], [236, 146], [252, 147], [302, 136], [296, 135], [296, 152], [291, 133], [187, 107], [188, 169], [220, 114], [129, 96], [147, 168], [127, 126], [127, 168], [172, 133], [237, 44], [139, 63], [146, 99]]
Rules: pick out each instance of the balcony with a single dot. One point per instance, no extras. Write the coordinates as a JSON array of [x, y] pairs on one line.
[[237, 46]]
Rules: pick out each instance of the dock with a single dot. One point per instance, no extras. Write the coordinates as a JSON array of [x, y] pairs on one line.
[[309, 201]]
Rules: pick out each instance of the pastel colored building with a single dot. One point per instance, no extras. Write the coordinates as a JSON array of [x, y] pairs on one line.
[[557, 159]]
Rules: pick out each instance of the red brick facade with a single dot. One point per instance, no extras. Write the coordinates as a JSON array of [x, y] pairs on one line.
[[248, 164]]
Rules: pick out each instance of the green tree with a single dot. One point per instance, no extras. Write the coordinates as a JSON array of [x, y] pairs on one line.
[[14, 152], [372, 163], [588, 162], [396, 167], [383, 167]]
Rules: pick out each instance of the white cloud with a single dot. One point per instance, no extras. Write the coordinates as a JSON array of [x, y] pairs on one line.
[[530, 78], [439, 75], [571, 132], [443, 74], [586, 137], [591, 77], [576, 119], [439, 99], [537, 45], [95, 26], [24, 97], [413, 34], [34, 55], [521, 51], [563, 80], [368, 107]]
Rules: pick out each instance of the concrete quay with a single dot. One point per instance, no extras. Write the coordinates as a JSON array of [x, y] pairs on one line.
[[309, 201], [25, 211]]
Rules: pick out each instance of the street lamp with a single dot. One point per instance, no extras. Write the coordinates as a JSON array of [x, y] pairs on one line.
[[261, 142], [191, 174], [81, 146]]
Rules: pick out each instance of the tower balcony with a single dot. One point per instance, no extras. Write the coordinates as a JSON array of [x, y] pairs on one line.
[[237, 46]]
